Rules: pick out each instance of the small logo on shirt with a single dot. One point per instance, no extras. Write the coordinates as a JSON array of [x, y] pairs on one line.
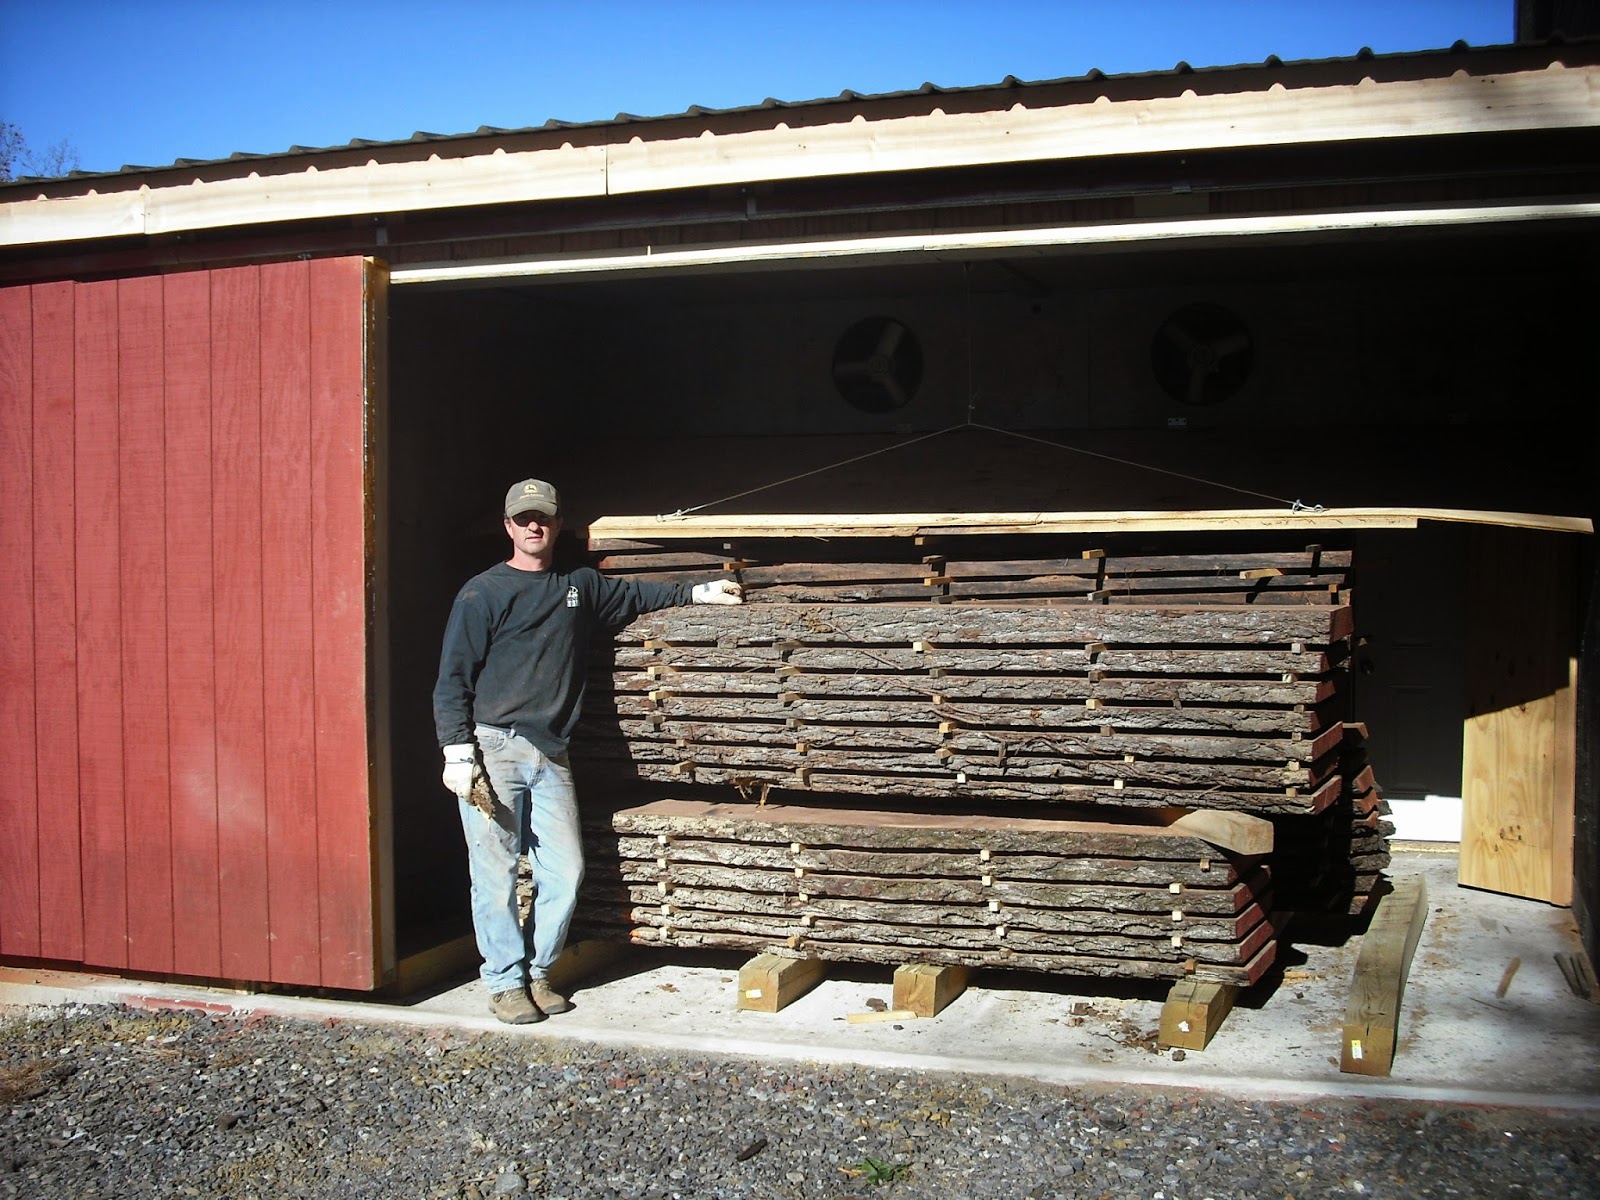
[[572, 597]]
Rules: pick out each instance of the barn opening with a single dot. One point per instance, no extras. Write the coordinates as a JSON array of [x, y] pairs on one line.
[[1426, 367]]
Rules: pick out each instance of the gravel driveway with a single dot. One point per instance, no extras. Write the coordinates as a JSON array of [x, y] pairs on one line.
[[115, 1102]]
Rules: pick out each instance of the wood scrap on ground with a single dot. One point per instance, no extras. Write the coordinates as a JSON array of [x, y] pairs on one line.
[[1575, 969]]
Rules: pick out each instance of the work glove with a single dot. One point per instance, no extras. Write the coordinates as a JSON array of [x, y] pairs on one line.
[[464, 775], [718, 591], [459, 763]]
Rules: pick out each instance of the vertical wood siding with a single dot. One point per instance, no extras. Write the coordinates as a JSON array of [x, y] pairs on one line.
[[97, 587], [19, 781], [52, 521], [141, 472], [184, 516], [340, 554], [191, 642]]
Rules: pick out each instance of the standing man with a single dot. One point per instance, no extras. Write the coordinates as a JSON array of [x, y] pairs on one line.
[[511, 679]]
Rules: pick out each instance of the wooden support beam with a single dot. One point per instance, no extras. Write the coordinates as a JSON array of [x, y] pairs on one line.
[[1372, 1017], [1193, 1013], [770, 982], [926, 989]]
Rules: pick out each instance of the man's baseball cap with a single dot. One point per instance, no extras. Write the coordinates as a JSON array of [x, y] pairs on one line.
[[532, 495]]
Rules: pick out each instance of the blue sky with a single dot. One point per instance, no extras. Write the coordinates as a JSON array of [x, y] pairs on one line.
[[152, 82]]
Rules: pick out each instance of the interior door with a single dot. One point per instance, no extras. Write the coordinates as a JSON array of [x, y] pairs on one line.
[[1408, 670]]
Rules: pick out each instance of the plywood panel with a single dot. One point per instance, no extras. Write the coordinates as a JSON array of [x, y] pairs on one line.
[[143, 636], [292, 825], [340, 537], [1520, 735], [54, 616], [191, 641], [1517, 815], [236, 506], [19, 809], [97, 549]]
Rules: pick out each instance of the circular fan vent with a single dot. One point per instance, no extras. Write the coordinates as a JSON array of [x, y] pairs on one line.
[[877, 365], [1202, 354]]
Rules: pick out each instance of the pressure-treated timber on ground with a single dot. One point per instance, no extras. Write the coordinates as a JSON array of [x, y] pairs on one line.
[[769, 982], [1193, 1012], [1372, 1017], [926, 990]]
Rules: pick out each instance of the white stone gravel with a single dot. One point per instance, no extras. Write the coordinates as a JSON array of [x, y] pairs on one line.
[[103, 1101]]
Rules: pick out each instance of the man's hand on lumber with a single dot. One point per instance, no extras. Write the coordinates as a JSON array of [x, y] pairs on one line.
[[718, 591]]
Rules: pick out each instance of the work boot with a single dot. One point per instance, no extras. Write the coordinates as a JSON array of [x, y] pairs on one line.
[[547, 998], [514, 1007]]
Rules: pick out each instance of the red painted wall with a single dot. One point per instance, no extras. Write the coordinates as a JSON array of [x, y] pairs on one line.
[[183, 625]]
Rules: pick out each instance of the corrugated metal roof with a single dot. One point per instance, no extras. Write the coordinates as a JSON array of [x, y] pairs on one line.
[[1250, 77]]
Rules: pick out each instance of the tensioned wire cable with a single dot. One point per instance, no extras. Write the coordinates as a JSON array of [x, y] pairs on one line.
[[765, 487], [972, 400], [1293, 505]]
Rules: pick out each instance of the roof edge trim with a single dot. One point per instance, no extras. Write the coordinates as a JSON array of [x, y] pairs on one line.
[[1365, 111]]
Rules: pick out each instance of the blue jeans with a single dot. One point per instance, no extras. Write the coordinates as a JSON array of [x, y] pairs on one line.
[[536, 813]]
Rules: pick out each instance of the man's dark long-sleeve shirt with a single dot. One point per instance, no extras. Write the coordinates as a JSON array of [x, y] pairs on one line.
[[516, 647]]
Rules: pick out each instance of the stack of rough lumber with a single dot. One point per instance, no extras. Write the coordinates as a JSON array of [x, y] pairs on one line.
[[1044, 696], [968, 683], [1146, 898], [987, 570], [1333, 862]]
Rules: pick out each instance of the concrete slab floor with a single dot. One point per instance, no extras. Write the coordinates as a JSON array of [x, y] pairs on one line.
[[1537, 1045]]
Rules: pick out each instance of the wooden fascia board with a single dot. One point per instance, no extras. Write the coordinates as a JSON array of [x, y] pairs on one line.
[[665, 527], [374, 188], [1555, 98]]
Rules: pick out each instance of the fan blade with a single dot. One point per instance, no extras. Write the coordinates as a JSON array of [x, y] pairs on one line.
[[892, 386], [1232, 344], [850, 370], [1187, 342], [889, 340], [1197, 385]]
